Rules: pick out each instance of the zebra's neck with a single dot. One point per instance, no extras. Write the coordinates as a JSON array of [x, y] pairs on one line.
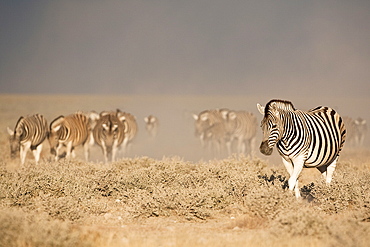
[[294, 134]]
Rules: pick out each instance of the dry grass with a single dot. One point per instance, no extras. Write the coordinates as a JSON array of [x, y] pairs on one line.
[[146, 201], [169, 201]]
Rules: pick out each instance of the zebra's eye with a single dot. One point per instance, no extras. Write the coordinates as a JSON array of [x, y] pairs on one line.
[[274, 126]]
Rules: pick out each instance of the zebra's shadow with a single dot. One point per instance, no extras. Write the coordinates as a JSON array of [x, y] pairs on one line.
[[281, 181]]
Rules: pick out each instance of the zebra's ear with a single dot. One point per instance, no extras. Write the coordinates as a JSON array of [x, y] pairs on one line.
[[93, 115], [146, 119], [122, 118], [10, 131], [195, 116], [125, 125], [261, 109], [232, 115], [204, 117]]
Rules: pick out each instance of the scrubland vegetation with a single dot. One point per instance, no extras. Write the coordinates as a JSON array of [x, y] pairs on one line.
[[170, 201], [143, 201]]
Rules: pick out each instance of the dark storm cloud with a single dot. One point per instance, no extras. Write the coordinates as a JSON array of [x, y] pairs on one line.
[[185, 47]]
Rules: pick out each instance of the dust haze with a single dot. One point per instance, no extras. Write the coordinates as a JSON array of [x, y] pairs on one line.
[[275, 49], [176, 125], [172, 59]]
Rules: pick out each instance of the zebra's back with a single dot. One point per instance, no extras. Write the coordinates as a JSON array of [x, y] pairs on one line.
[[78, 125], [325, 135], [34, 128]]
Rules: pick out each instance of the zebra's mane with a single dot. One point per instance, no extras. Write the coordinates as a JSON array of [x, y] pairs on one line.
[[282, 104]]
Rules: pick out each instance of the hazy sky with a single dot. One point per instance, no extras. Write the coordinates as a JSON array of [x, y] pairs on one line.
[[186, 47]]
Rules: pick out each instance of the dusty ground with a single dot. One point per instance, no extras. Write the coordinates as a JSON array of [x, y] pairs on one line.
[[167, 192]]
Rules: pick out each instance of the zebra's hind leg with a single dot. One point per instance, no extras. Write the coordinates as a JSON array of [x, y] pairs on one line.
[[327, 171]]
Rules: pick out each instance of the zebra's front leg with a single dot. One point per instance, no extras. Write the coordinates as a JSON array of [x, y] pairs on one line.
[[114, 150], [87, 150], [293, 180], [36, 153], [23, 151], [69, 150], [294, 168]]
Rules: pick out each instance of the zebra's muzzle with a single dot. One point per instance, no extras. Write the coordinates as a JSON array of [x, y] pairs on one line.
[[265, 149]]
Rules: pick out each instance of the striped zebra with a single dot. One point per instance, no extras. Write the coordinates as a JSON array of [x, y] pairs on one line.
[[242, 127], [69, 131], [29, 133], [356, 131], [131, 129], [303, 139], [361, 131], [151, 125], [210, 128], [109, 133]]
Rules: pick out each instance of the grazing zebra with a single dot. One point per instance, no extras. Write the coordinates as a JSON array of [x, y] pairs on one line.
[[303, 139], [69, 131], [109, 133], [29, 133], [242, 127], [131, 129], [151, 125], [210, 128]]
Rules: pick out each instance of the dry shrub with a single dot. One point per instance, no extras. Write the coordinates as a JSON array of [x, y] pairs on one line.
[[22, 229], [69, 193]]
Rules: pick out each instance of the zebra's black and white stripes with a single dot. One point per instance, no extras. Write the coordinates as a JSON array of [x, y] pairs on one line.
[[69, 131], [219, 128], [29, 133], [109, 133], [303, 139], [242, 127], [130, 127]]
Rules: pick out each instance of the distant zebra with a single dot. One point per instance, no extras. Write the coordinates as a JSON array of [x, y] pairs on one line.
[[29, 133], [356, 131], [210, 128], [109, 133], [151, 125], [361, 131], [69, 131], [242, 127], [131, 129], [303, 139]]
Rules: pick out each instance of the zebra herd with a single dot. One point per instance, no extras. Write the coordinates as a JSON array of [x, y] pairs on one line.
[[111, 130], [310, 139], [219, 128]]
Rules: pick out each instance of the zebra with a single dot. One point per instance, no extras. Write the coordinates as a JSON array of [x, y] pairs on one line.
[[303, 139], [29, 133], [69, 131], [151, 125], [361, 130], [109, 133], [210, 128], [130, 128], [356, 131], [242, 127]]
